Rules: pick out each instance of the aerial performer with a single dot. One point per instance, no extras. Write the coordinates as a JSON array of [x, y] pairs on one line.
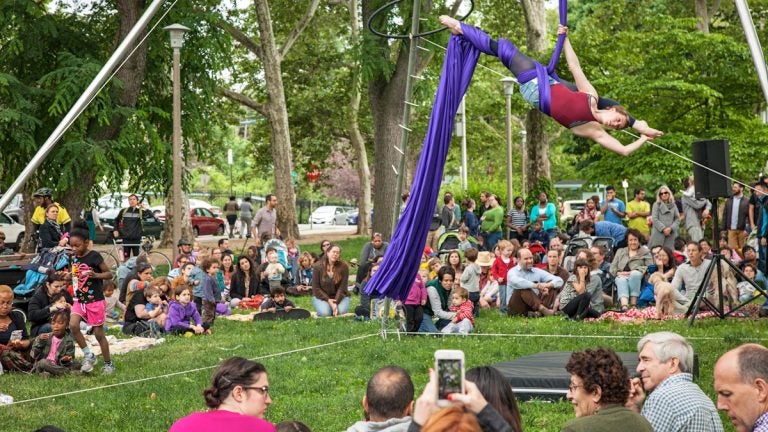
[[577, 107]]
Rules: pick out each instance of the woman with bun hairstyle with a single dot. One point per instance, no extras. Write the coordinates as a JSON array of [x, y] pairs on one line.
[[237, 399]]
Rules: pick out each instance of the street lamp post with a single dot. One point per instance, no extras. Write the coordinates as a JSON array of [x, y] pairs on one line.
[[230, 162], [523, 158], [509, 88], [177, 41]]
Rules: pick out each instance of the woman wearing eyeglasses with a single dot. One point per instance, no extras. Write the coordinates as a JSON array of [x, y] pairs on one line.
[[666, 220], [598, 390], [237, 398]]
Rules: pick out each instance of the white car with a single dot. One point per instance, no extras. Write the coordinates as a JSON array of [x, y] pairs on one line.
[[159, 210], [14, 231], [329, 215]]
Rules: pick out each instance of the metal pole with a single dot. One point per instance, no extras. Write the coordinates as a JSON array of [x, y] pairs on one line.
[[412, 59], [81, 103], [178, 158], [464, 169], [510, 190], [754, 45], [230, 161], [523, 159]]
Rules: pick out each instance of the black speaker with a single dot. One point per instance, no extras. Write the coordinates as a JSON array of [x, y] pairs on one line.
[[712, 154]]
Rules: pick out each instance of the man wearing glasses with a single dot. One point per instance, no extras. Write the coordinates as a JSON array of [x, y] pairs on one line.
[[265, 221]]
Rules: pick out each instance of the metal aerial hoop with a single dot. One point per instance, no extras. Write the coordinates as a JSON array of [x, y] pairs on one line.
[[404, 125]]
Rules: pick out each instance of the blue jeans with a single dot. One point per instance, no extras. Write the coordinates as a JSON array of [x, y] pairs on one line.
[[629, 286], [491, 239], [427, 326], [323, 308]]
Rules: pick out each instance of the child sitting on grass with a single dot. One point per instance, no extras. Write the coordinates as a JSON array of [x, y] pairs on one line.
[[277, 301], [538, 235], [181, 312], [54, 353], [156, 307], [115, 308], [463, 322]]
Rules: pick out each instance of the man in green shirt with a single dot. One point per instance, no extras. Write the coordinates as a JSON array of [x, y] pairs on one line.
[[492, 220], [637, 211]]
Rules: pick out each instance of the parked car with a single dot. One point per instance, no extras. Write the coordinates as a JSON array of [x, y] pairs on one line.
[[329, 215], [159, 210], [152, 225], [354, 215], [15, 208], [14, 231], [204, 221]]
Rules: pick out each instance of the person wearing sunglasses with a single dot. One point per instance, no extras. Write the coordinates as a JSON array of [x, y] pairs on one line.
[[237, 399], [666, 220]]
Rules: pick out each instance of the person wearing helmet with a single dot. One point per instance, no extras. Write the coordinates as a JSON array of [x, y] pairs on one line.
[[43, 199], [185, 250]]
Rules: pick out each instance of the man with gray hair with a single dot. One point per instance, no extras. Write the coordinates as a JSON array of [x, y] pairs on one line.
[[388, 402], [675, 403], [741, 382]]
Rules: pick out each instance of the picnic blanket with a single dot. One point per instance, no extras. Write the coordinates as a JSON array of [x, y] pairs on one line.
[[249, 316], [119, 346], [640, 315]]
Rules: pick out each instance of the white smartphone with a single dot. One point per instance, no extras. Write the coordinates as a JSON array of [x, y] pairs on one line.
[[449, 365]]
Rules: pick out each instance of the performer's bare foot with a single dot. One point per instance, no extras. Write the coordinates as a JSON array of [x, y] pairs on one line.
[[452, 23]]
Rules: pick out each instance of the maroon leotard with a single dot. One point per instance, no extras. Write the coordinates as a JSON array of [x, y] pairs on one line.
[[570, 108]]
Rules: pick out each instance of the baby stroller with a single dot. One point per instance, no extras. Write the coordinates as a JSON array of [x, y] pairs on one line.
[[282, 252], [449, 241], [37, 271]]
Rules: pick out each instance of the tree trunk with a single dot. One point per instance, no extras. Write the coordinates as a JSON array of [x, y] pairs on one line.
[[537, 163], [131, 75], [277, 114], [358, 142], [187, 230], [702, 16], [386, 91]]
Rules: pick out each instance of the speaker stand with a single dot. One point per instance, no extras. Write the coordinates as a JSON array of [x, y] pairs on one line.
[[718, 260]]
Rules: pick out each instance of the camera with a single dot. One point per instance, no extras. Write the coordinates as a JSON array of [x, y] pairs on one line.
[[449, 365]]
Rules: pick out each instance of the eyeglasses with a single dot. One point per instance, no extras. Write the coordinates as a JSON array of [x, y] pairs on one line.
[[663, 193], [573, 387], [263, 390]]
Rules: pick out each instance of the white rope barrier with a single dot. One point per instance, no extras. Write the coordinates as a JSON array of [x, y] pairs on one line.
[[140, 380]]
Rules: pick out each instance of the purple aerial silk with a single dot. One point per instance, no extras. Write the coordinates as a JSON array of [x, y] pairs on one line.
[[401, 261]]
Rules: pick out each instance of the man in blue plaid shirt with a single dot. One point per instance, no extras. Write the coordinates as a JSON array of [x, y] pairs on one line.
[[741, 381], [673, 403]]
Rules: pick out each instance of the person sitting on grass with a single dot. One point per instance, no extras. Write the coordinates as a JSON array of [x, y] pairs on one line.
[[41, 304], [237, 399], [303, 275], [156, 307], [277, 301], [245, 281], [181, 311], [115, 309], [330, 277], [464, 320], [538, 235], [54, 353]]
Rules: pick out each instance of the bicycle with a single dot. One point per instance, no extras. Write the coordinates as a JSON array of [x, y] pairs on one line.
[[113, 257]]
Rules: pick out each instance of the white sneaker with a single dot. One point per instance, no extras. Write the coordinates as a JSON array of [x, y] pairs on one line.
[[88, 362], [108, 369]]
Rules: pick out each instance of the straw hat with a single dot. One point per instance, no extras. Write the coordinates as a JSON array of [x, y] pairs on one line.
[[484, 259]]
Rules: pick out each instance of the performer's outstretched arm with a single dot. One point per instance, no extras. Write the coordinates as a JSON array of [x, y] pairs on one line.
[[582, 83]]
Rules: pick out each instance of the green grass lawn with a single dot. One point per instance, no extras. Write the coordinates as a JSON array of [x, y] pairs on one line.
[[318, 369]]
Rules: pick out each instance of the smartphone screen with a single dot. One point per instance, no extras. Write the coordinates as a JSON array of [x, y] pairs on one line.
[[449, 374], [15, 335]]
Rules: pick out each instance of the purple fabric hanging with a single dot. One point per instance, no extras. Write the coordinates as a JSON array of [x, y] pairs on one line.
[[403, 256]]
